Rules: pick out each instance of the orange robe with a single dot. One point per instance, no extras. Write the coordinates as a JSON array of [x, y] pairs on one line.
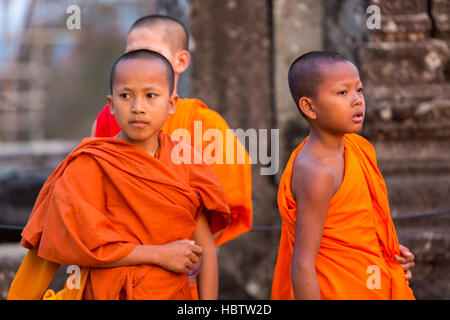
[[235, 178], [356, 255], [107, 197]]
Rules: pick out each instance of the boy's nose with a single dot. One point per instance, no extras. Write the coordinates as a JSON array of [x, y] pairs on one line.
[[357, 100], [137, 107]]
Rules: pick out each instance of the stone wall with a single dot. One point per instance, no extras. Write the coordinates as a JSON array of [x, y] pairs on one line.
[[404, 66], [24, 167], [233, 73]]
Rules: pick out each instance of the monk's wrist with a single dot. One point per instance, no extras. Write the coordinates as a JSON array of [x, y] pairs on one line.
[[152, 254]]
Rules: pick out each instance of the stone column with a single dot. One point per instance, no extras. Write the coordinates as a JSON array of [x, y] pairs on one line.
[[297, 29], [232, 73]]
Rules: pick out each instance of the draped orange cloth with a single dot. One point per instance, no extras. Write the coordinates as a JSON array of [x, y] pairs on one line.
[[107, 197], [235, 178], [356, 256]]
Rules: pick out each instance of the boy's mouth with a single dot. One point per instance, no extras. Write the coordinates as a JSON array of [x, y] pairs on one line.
[[138, 123], [358, 116]]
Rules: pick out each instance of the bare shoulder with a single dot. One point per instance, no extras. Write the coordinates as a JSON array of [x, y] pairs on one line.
[[313, 179]]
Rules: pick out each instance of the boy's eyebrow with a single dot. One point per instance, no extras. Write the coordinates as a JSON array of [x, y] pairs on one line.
[[346, 83], [152, 88], [124, 88], [145, 89]]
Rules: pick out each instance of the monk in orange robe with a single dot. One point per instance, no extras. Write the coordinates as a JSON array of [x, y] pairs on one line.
[[338, 240], [170, 38], [123, 207]]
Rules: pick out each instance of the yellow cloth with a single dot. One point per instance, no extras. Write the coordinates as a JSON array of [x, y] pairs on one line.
[[34, 276]]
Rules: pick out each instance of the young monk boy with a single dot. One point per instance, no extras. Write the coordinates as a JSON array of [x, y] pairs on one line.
[[169, 37], [338, 240], [123, 208]]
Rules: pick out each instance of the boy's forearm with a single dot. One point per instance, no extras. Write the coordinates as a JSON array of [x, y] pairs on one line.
[[304, 283], [208, 278], [141, 254]]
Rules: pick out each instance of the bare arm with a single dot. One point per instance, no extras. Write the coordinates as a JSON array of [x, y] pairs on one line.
[[208, 277], [178, 256], [313, 190]]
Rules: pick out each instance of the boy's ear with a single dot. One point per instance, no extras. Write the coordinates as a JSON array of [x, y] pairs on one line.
[[183, 58], [306, 106], [110, 102], [173, 103]]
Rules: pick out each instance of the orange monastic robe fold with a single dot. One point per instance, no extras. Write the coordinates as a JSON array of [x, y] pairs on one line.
[[356, 255], [235, 178], [107, 197]]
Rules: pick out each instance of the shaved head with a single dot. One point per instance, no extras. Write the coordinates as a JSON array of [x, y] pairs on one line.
[[307, 72], [145, 55], [172, 30]]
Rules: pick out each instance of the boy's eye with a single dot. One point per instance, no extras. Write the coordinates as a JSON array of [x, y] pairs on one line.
[[341, 93], [360, 90], [151, 95], [124, 95]]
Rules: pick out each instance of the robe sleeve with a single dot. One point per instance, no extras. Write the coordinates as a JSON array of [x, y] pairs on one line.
[[71, 225], [205, 183]]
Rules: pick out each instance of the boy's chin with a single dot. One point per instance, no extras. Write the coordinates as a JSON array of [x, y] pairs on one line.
[[356, 129], [137, 138]]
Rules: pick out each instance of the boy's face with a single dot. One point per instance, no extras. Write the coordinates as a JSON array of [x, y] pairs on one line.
[[141, 99], [339, 102]]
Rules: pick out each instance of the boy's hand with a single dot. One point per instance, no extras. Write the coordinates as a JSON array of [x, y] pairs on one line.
[[406, 260], [179, 256]]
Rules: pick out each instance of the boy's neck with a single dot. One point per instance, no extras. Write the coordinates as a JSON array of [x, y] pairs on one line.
[[325, 143], [175, 84], [150, 145]]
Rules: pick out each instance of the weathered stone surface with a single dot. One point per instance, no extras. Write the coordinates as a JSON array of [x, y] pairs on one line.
[[11, 256], [232, 66], [440, 12], [429, 240], [413, 112], [418, 193], [406, 130], [251, 261], [24, 169], [44, 154], [406, 75], [345, 26], [404, 27], [407, 101], [232, 73], [20, 188], [388, 63], [400, 7]]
